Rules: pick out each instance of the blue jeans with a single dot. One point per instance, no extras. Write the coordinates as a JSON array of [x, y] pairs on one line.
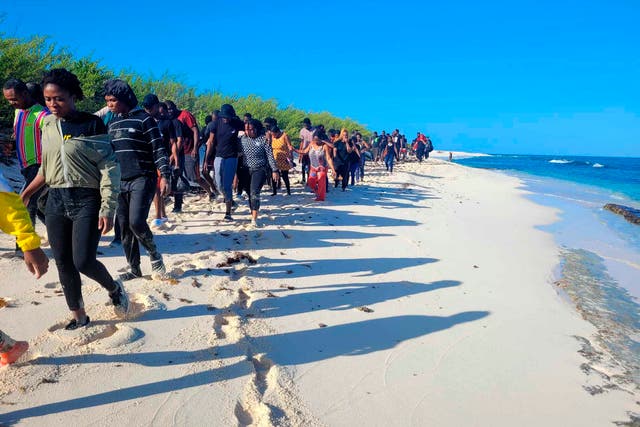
[[225, 171], [388, 161]]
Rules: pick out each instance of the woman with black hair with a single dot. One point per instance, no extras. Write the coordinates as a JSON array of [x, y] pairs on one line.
[[282, 150], [341, 150], [79, 165], [257, 157]]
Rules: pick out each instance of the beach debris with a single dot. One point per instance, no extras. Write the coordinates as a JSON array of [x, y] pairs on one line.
[[185, 300], [236, 258], [271, 295], [195, 283], [166, 296], [283, 286], [475, 266], [322, 325], [35, 303], [285, 235], [365, 309], [4, 303], [211, 308], [289, 272], [48, 381]]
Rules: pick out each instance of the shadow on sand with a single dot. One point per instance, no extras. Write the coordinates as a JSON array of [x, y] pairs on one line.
[[306, 346]]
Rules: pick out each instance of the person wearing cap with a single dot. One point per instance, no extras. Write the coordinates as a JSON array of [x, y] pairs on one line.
[[15, 220], [140, 151], [306, 135], [224, 140]]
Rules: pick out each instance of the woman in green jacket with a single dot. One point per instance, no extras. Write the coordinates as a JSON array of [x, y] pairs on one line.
[[79, 165]]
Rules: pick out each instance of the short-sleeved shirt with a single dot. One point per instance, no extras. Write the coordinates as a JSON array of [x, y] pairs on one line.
[[27, 126], [226, 139], [306, 135], [342, 155], [188, 121]]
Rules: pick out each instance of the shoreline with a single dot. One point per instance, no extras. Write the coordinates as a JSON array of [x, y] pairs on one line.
[[403, 289]]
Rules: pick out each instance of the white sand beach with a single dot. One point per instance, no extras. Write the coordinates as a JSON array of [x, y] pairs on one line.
[[424, 298]]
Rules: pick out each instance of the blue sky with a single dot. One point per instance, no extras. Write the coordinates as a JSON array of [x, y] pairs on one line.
[[537, 77]]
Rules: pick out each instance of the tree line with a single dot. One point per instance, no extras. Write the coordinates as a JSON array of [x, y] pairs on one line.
[[28, 58]]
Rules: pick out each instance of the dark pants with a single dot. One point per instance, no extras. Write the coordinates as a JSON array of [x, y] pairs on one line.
[[343, 171], [29, 173], [179, 183], [244, 179], [306, 167], [353, 170], [388, 161], [72, 226], [258, 178], [134, 202], [284, 175]]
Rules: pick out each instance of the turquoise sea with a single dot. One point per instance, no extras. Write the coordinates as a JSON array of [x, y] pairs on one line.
[[599, 250]]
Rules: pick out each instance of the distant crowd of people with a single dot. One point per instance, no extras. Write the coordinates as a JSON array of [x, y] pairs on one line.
[[88, 173]]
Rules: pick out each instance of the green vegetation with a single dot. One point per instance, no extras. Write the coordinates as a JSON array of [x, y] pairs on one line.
[[27, 59]]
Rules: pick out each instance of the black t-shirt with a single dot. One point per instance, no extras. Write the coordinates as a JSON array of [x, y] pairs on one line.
[[226, 139], [353, 156], [342, 155], [168, 133], [82, 124], [177, 127]]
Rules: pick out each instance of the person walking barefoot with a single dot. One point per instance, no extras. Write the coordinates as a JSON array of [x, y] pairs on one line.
[[15, 220]]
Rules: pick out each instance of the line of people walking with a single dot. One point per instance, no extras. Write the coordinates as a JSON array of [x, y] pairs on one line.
[[88, 173]]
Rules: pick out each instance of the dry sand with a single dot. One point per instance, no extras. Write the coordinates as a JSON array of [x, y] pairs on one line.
[[424, 298]]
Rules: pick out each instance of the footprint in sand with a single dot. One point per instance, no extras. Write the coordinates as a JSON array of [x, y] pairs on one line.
[[252, 409], [100, 329]]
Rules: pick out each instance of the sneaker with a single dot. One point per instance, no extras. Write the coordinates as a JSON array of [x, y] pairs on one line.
[[119, 299], [176, 210], [255, 224], [158, 270], [14, 353], [228, 218], [133, 273], [234, 205], [115, 242], [74, 324], [157, 222]]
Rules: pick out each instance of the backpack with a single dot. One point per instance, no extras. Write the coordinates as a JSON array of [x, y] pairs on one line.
[[429, 146]]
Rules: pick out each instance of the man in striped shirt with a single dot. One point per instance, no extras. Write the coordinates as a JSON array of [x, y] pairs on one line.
[[27, 130], [140, 151]]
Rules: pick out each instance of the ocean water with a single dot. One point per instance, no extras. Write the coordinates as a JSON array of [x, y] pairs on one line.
[[617, 176], [599, 250]]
